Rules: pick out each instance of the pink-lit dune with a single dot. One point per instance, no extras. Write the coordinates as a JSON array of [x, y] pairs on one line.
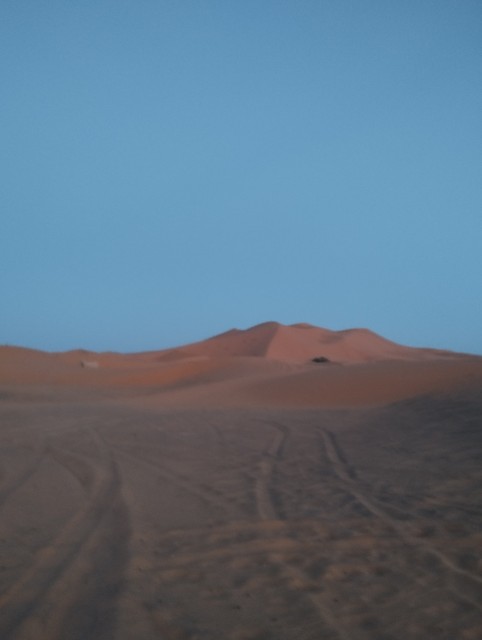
[[266, 365]]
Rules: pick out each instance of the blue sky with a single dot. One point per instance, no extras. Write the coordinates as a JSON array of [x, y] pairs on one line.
[[174, 169]]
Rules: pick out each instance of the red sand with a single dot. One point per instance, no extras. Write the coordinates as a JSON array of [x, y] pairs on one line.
[[234, 489], [267, 365]]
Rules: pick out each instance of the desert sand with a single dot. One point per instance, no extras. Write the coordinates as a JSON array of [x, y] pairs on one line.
[[235, 489]]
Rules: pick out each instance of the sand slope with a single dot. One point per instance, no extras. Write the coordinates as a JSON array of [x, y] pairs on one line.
[[234, 490], [266, 365], [301, 343]]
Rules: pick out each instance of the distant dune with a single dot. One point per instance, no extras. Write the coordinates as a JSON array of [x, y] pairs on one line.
[[301, 343], [269, 364]]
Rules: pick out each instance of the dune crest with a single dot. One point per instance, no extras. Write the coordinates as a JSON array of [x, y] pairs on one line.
[[269, 364], [300, 343]]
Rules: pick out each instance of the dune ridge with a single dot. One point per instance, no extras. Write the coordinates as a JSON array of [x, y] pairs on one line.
[[269, 364], [301, 342]]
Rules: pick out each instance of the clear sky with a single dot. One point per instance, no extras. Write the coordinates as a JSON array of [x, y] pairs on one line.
[[173, 169]]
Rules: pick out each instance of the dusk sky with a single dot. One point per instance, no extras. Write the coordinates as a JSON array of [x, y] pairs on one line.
[[173, 169]]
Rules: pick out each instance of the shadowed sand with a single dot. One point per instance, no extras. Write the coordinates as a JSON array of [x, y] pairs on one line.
[[234, 489]]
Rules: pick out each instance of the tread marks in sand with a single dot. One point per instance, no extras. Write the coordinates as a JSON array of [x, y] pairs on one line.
[[464, 584], [11, 484], [326, 622], [85, 559]]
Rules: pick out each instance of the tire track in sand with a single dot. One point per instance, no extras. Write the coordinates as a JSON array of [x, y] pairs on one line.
[[345, 473], [328, 625], [263, 479], [179, 480], [84, 559], [12, 484]]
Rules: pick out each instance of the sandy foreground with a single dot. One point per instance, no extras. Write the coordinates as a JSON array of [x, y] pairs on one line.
[[219, 493]]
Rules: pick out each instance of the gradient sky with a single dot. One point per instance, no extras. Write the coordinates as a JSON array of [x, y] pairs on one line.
[[172, 169]]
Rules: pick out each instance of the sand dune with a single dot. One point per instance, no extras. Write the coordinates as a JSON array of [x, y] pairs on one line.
[[301, 343], [233, 489], [267, 365]]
